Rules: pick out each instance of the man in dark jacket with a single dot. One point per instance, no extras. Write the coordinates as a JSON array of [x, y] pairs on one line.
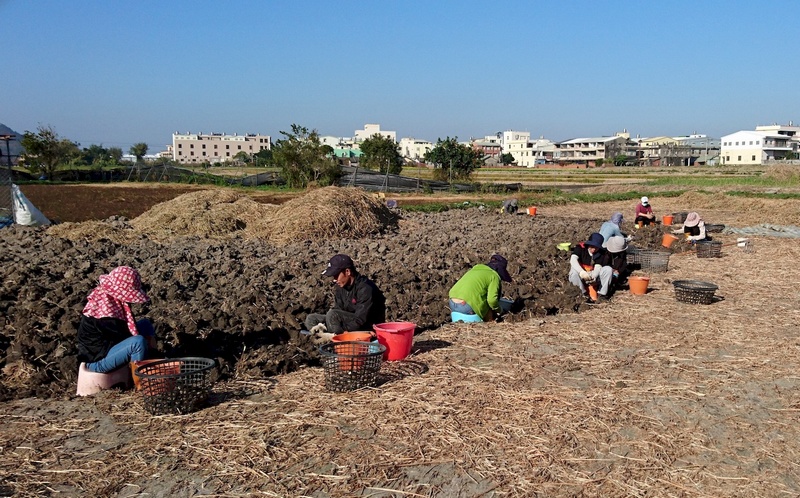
[[358, 303]]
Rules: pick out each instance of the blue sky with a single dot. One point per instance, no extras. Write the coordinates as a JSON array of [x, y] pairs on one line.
[[120, 72]]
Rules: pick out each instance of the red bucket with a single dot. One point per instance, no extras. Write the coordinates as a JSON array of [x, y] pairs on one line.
[[397, 337]]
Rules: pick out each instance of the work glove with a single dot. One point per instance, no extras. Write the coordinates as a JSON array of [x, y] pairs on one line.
[[586, 276], [318, 328], [616, 274]]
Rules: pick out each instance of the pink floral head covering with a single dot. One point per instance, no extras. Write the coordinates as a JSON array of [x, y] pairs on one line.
[[110, 299]]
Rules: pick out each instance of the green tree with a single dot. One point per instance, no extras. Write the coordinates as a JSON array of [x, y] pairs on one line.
[[46, 152], [263, 157], [302, 160], [506, 158], [115, 154], [139, 150], [452, 160], [381, 152]]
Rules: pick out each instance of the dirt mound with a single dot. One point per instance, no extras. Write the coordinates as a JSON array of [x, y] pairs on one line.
[[92, 230], [328, 212], [242, 302]]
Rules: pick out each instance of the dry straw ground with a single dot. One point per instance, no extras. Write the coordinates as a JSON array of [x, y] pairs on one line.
[[642, 396]]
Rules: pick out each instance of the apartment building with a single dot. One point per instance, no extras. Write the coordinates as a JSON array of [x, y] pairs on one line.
[[756, 147], [414, 149], [589, 151], [373, 129], [215, 147]]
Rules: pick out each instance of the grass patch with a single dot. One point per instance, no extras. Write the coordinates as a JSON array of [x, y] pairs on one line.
[[762, 195]]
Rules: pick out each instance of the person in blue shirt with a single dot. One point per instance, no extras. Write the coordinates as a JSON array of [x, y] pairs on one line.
[[611, 228]]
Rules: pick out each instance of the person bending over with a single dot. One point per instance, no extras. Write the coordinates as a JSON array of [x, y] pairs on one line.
[[478, 291]]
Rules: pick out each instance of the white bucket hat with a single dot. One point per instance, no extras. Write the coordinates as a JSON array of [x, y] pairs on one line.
[[645, 201], [616, 244]]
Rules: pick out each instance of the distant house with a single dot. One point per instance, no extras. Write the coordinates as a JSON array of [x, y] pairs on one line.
[[414, 149], [589, 151], [756, 147]]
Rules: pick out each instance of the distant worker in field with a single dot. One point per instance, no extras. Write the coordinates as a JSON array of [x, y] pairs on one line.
[[510, 206], [109, 337], [694, 228], [644, 212], [358, 303], [610, 228], [478, 291], [588, 266]]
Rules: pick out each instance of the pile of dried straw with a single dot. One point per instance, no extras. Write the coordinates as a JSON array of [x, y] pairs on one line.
[[330, 211], [327, 212]]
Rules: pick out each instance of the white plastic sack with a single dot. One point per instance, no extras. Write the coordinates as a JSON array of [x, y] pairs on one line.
[[25, 213]]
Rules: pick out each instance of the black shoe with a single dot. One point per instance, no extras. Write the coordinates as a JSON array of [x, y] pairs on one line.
[[603, 298]]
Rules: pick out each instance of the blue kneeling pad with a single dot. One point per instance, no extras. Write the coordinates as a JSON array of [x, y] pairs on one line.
[[461, 317]]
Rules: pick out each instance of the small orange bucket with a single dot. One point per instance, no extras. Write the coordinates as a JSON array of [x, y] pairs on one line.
[[532, 211], [668, 239], [347, 346], [592, 291], [352, 336], [137, 381], [666, 220], [638, 285]]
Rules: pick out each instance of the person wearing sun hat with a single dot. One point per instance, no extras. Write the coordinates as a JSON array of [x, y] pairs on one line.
[[644, 212], [693, 227], [616, 257], [358, 303], [109, 336], [478, 291], [588, 265]]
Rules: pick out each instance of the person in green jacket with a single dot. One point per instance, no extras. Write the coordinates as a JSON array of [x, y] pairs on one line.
[[477, 292]]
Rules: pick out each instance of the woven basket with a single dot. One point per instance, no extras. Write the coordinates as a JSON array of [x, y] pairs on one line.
[[351, 365], [176, 386], [714, 228], [633, 256], [709, 248], [654, 261], [694, 291]]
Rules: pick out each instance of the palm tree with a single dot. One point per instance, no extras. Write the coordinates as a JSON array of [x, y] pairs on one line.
[[139, 150]]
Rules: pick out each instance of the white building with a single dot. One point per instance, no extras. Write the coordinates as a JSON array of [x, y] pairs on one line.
[[527, 153], [590, 150], [215, 147], [413, 148], [373, 129], [755, 147]]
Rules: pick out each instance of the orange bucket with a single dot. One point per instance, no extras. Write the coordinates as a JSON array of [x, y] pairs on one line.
[[592, 292], [668, 239], [136, 364], [666, 219], [352, 336], [353, 352], [532, 211], [638, 285]]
